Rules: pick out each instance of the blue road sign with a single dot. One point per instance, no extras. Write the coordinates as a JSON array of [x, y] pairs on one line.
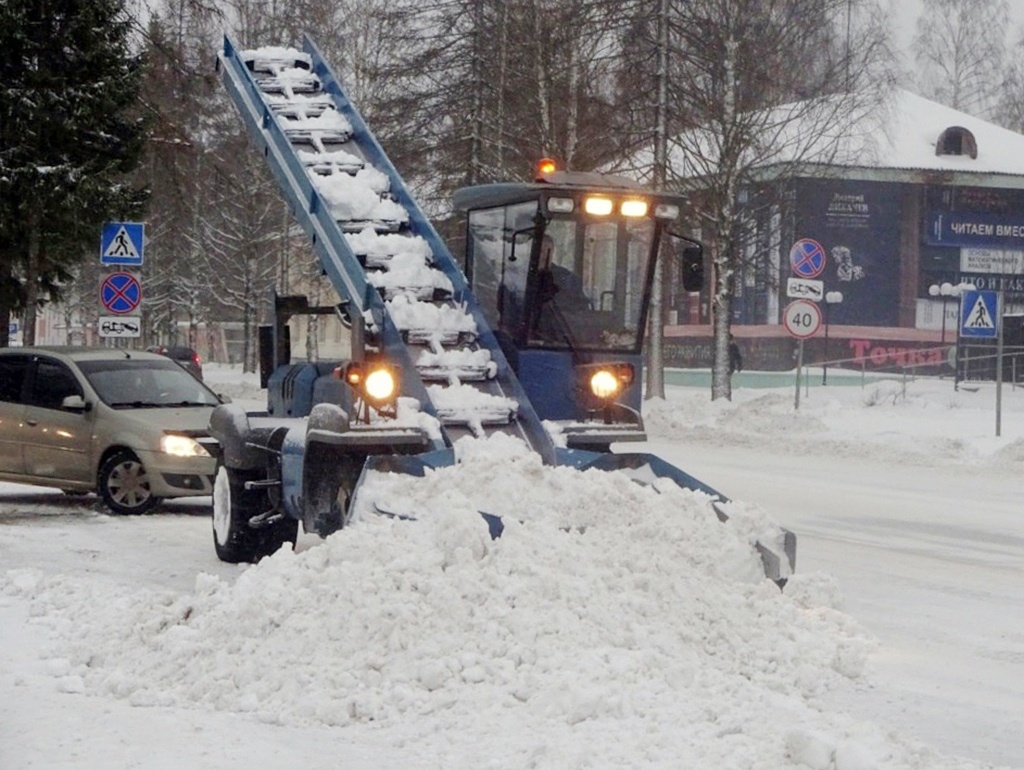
[[807, 258], [121, 293], [979, 314], [122, 243]]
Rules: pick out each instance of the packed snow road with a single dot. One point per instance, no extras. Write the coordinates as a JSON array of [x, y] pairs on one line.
[[925, 555], [930, 560]]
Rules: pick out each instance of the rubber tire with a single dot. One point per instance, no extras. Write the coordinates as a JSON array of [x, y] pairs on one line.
[[233, 505], [124, 486]]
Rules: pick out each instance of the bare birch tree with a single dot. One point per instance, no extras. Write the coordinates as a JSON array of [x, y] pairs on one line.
[[764, 88], [960, 50]]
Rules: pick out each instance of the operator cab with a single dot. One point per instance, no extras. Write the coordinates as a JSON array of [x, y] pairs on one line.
[[562, 269]]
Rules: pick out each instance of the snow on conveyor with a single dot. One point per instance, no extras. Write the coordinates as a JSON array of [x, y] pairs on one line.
[[466, 391], [611, 626]]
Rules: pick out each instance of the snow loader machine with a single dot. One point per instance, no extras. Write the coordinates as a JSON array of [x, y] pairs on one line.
[[537, 334]]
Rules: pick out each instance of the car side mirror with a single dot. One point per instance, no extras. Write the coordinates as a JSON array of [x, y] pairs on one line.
[[691, 268], [75, 404]]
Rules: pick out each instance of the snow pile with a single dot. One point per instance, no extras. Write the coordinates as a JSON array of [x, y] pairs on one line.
[[612, 625]]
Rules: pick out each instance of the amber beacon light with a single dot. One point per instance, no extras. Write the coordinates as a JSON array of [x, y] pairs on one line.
[[546, 166]]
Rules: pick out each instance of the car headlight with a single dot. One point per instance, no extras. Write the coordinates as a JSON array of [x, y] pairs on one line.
[[181, 446]]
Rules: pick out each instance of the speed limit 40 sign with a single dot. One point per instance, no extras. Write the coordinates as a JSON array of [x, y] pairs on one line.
[[802, 318]]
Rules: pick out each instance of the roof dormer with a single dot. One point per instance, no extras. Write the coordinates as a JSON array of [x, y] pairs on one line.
[[957, 140]]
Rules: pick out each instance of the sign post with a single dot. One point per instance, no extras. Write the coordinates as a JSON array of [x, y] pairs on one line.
[[802, 319], [832, 298], [999, 363]]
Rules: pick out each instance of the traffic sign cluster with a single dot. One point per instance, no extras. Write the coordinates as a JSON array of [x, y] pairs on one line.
[[802, 316], [121, 244]]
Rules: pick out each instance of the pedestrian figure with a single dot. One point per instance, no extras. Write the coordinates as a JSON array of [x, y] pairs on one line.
[[122, 246], [735, 358]]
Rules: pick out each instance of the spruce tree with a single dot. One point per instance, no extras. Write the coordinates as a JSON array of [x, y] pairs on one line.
[[70, 132]]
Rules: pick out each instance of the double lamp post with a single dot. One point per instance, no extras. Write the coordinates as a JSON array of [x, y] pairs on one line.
[[831, 298], [948, 291]]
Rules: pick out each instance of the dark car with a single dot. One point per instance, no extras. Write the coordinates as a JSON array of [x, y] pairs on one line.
[[128, 425], [186, 357]]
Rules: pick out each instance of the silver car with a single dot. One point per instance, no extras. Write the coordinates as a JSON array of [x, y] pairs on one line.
[[128, 425]]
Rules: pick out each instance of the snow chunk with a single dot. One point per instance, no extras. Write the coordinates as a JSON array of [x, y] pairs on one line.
[[355, 198], [409, 314], [379, 247]]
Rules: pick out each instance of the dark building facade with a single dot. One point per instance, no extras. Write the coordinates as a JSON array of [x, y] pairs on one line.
[[886, 239]]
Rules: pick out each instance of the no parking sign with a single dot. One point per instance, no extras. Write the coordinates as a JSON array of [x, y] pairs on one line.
[[121, 293], [807, 258]]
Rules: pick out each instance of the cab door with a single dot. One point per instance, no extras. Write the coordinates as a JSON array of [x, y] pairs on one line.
[[13, 377], [57, 441]]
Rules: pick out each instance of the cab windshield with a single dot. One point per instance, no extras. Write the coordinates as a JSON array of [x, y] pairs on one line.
[[581, 287]]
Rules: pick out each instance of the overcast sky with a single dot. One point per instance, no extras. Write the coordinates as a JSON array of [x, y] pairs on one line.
[[906, 13]]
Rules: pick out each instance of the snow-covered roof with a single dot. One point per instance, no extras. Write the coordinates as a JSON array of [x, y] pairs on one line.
[[894, 138], [906, 130]]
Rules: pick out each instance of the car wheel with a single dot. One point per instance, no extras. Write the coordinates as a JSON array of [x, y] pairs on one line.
[[233, 506], [124, 485]]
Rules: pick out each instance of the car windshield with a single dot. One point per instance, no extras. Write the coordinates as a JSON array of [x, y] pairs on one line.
[[139, 384]]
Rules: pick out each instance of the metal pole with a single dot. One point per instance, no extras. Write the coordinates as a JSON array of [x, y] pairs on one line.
[[824, 365], [999, 362], [943, 338], [956, 355], [799, 366]]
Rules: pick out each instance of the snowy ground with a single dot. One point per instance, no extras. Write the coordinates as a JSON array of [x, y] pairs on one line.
[[610, 627]]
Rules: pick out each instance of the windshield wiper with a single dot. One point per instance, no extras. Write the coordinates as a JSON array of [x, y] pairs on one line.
[[135, 405]]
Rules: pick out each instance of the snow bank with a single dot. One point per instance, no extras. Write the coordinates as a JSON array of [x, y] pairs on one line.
[[921, 422]]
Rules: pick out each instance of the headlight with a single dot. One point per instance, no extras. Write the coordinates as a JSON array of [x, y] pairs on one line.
[[600, 207], [380, 385], [605, 382], [633, 208], [561, 205], [666, 211], [376, 382], [181, 446]]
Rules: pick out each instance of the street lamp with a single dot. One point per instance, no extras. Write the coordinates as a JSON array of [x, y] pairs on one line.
[[944, 290], [948, 291], [831, 298]]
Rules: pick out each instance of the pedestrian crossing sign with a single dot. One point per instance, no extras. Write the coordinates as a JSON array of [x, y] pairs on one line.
[[979, 314], [122, 243]]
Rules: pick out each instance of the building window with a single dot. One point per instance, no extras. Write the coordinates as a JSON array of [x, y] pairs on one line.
[[956, 140]]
